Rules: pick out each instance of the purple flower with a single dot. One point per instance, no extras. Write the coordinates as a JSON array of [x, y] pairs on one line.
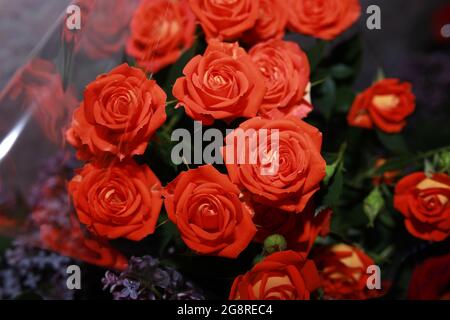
[[147, 279]]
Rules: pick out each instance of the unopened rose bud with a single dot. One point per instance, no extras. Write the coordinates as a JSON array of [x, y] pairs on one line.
[[275, 243]]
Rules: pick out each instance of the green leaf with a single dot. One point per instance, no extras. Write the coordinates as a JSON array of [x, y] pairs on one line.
[[341, 71], [334, 192], [373, 204], [395, 143], [429, 168], [330, 171], [328, 98]]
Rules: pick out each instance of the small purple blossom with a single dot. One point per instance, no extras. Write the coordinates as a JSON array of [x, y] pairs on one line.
[[147, 279]]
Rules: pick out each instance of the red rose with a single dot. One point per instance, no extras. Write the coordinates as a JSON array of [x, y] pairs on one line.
[[160, 31], [225, 20], [385, 105], [271, 23], [39, 88], [343, 270], [387, 177], [325, 19], [285, 68], [72, 242], [119, 201], [120, 113], [206, 208], [425, 203], [288, 185], [431, 280], [285, 275], [221, 84], [104, 27], [300, 230]]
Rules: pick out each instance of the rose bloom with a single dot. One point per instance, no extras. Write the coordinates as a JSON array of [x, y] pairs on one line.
[[425, 204], [120, 113], [300, 230], [431, 280], [39, 87], [121, 200], [285, 275], [160, 31], [387, 177], [300, 169], [226, 20], [324, 19], [343, 270], [286, 70], [206, 208], [271, 23], [104, 27], [385, 105], [222, 84], [72, 242]]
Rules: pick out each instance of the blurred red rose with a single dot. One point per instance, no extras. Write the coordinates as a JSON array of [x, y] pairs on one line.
[[385, 105], [299, 229], [226, 20], [285, 275], [117, 201], [222, 84], [120, 113], [343, 270], [72, 242], [39, 88], [104, 27], [431, 280], [425, 203], [271, 22], [387, 177], [324, 19], [286, 70], [160, 31], [206, 208], [290, 184]]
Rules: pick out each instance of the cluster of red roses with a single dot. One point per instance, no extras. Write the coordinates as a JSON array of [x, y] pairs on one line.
[[220, 214]]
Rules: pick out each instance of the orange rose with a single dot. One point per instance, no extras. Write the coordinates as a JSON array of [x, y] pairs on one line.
[[206, 208], [225, 20], [285, 275], [301, 167], [160, 31], [39, 87], [300, 230], [72, 242], [343, 270], [387, 177], [120, 113], [119, 201], [425, 203], [222, 84], [325, 19], [104, 27], [271, 23], [385, 105], [285, 68]]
